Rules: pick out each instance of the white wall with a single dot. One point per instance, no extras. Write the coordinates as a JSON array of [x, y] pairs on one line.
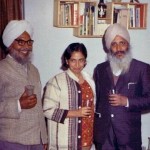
[[50, 43]]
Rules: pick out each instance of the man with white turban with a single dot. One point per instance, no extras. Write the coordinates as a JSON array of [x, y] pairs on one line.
[[123, 91], [22, 123]]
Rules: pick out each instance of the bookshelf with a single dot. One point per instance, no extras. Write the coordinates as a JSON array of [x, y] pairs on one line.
[[66, 13], [131, 15], [82, 16], [89, 24]]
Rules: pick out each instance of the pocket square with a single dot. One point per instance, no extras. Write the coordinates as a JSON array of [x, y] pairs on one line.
[[98, 115], [131, 83]]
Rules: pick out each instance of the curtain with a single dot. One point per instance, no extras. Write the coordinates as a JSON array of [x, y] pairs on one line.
[[9, 10]]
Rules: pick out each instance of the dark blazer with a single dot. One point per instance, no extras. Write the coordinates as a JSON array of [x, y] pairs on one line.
[[126, 121]]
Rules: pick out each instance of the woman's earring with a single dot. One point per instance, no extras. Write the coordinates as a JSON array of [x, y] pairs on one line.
[[66, 62]]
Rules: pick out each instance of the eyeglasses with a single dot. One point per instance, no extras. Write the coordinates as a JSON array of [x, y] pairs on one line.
[[120, 44], [22, 42]]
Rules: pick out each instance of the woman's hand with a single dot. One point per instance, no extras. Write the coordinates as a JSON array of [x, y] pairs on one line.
[[85, 111], [82, 112]]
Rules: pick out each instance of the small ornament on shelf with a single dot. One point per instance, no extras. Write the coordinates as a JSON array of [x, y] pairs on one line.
[[101, 9]]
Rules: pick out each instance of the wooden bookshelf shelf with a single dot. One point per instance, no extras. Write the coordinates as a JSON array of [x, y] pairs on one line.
[[82, 16], [66, 13], [89, 24], [131, 15]]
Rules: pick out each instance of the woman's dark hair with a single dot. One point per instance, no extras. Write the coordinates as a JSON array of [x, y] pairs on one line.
[[73, 47]]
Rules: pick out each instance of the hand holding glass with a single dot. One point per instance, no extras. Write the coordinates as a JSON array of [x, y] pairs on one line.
[[112, 91]]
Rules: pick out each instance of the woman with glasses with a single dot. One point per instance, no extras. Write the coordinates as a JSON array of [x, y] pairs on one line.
[[69, 103]]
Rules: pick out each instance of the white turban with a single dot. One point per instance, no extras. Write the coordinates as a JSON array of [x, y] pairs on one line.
[[114, 30], [14, 29]]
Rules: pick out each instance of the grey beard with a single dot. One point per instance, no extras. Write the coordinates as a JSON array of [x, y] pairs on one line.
[[117, 64], [20, 60]]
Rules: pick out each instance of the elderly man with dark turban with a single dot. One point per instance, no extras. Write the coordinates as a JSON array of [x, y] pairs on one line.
[[122, 92], [22, 124]]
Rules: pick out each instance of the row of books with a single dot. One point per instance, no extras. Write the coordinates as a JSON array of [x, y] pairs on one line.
[[135, 14], [68, 14], [89, 24], [87, 18]]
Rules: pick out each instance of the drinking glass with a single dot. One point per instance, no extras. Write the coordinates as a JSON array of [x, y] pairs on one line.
[[29, 89]]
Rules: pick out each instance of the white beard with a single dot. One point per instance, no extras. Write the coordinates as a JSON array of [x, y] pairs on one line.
[[122, 64], [20, 60]]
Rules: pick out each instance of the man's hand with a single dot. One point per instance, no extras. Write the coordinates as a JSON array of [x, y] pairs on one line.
[[117, 100], [27, 102]]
